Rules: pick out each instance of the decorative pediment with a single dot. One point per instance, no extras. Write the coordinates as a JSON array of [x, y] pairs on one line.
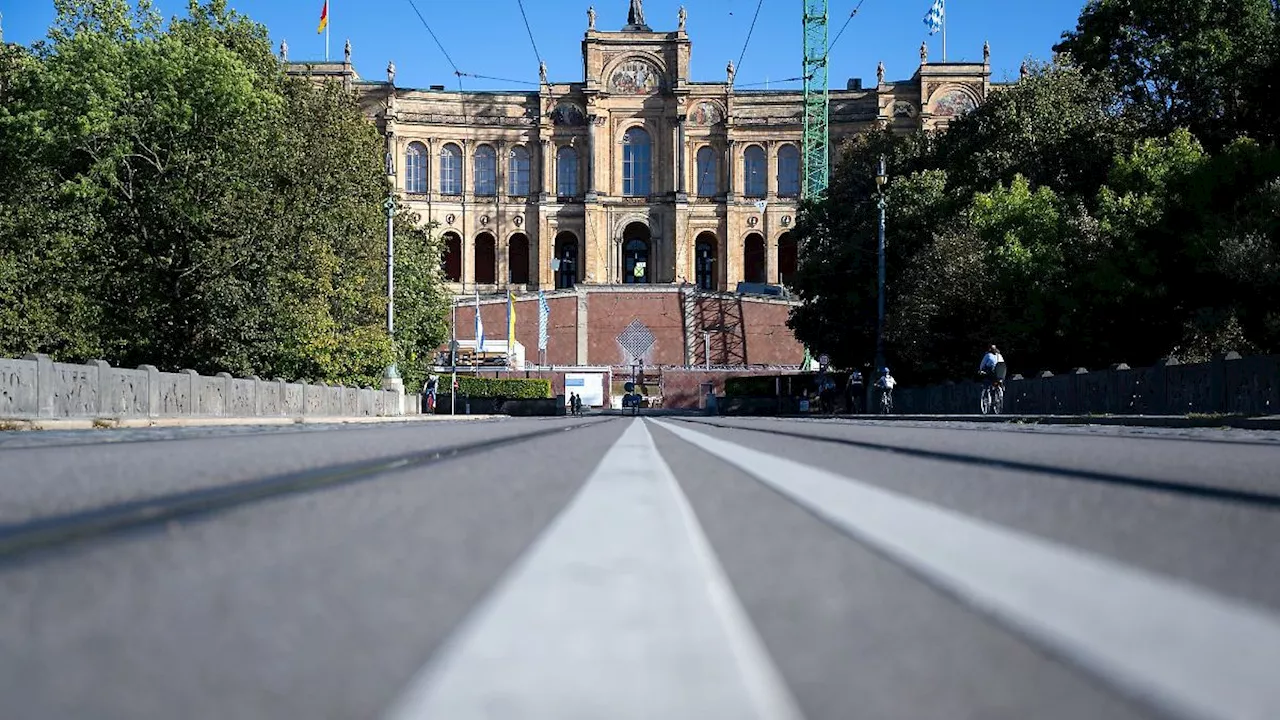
[[636, 77]]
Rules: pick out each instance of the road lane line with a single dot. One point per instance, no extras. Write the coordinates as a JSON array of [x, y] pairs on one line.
[[1185, 649], [618, 610]]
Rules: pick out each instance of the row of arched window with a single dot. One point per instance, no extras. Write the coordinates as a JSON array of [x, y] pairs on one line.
[[635, 252], [637, 169]]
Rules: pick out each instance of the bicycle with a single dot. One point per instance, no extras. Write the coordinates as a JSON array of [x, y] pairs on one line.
[[992, 400], [886, 401]]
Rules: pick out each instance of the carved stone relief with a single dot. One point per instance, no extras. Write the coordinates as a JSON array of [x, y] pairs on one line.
[[904, 109], [568, 114]]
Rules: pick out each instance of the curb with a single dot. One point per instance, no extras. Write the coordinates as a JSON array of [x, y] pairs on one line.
[[108, 423], [1270, 422]]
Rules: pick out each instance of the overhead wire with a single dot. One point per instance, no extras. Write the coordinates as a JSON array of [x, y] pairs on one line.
[[750, 30], [496, 79], [767, 82], [846, 25], [444, 52], [529, 30]]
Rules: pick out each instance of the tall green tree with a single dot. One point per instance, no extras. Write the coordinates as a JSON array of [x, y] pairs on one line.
[[1207, 65], [221, 215]]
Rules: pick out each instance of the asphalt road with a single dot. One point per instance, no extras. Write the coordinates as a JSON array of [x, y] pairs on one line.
[[608, 567]]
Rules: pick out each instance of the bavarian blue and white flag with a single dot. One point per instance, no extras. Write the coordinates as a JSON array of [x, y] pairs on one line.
[[544, 312], [479, 327], [936, 16]]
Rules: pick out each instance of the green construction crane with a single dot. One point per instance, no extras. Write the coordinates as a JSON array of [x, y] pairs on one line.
[[816, 99]]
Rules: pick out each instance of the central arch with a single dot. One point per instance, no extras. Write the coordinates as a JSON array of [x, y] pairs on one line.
[[637, 246]]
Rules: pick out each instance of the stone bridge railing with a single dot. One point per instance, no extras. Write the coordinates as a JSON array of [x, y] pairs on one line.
[[38, 387], [1228, 385]]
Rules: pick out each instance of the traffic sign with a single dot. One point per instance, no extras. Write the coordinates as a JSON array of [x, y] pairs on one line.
[[824, 360]]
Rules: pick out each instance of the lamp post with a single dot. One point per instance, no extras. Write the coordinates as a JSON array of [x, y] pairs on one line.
[[391, 379], [882, 177]]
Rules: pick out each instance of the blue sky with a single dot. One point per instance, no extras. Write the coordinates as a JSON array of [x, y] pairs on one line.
[[488, 37]]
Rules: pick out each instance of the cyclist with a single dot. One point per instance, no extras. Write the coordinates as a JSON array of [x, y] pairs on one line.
[[885, 385], [987, 368], [991, 371]]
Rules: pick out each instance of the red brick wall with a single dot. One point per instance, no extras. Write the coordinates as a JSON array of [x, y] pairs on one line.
[[562, 326], [766, 340], [609, 313]]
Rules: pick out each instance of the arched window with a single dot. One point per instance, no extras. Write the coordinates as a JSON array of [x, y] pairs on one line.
[[452, 260], [636, 165], [450, 169], [486, 171], [788, 258], [788, 171], [704, 261], [706, 168], [518, 258], [635, 254], [486, 259], [754, 172], [566, 172], [415, 168], [566, 260], [518, 171], [753, 259]]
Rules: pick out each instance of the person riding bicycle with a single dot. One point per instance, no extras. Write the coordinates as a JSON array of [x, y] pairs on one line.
[[853, 393], [885, 384], [990, 362]]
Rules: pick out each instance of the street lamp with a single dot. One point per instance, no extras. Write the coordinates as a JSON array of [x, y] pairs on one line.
[[882, 178], [391, 379]]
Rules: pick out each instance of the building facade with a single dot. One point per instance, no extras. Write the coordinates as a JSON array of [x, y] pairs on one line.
[[635, 174]]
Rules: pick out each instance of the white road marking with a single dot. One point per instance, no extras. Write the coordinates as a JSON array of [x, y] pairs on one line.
[[619, 610], [1191, 652]]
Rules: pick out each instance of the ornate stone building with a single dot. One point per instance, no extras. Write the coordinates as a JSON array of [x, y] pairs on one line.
[[637, 173]]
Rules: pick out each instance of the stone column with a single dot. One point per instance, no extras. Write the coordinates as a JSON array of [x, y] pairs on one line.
[[731, 193], [592, 189], [546, 183], [466, 224], [681, 151]]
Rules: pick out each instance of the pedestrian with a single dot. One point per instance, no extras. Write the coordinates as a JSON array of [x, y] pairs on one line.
[[433, 387], [853, 393]]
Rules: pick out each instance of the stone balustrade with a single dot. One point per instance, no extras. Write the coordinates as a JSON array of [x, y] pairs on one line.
[[38, 387]]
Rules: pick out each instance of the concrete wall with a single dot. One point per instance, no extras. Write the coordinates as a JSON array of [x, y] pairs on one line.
[[1231, 384], [38, 387]]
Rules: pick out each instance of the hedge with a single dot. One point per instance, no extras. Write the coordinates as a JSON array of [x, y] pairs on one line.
[[509, 388], [759, 386]]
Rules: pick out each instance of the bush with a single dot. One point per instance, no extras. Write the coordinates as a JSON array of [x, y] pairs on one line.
[[759, 386], [509, 388]]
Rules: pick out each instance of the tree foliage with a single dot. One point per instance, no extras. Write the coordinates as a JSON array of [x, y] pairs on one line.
[[1112, 206], [173, 198]]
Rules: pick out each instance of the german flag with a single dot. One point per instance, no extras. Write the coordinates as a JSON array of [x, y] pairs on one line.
[[324, 17]]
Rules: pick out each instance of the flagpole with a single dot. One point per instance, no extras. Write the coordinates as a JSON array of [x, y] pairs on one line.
[[328, 22], [945, 12]]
